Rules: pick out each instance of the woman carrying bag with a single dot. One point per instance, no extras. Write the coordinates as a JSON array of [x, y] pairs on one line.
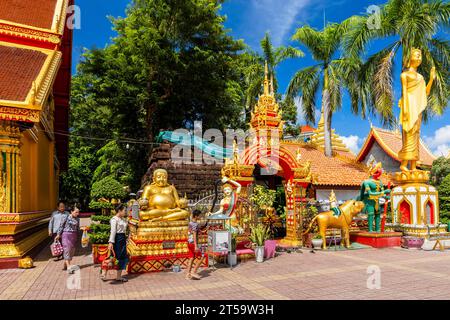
[[68, 233], [118, 243]]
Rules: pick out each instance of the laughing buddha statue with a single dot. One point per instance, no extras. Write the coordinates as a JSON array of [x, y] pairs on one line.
[[160, 201]]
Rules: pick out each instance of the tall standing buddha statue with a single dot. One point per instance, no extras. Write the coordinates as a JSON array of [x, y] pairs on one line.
[[412, 104]]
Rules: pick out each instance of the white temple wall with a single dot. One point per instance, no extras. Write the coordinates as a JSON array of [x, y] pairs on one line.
[[379, 155], [341, 195]]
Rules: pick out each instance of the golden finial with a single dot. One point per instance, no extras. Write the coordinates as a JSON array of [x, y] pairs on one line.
[[266, 80]]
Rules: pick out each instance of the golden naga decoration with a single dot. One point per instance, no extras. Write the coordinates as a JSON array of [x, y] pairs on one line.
[[328, 219], [26, 263], [412, 104], [160, 201]]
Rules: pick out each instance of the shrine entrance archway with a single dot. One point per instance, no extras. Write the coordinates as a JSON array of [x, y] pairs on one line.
[[280, 162]]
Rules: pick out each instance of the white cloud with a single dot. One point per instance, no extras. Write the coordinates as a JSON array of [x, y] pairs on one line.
[[353, 143], [440, 142], [274, 16]]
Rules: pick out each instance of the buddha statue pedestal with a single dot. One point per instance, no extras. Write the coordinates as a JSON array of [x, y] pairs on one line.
[[157, 246], [415, 205]]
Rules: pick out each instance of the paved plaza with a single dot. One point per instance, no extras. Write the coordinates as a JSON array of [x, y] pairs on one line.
[[405, 274]]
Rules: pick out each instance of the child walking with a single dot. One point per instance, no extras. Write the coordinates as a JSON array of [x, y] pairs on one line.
[[194, 249]]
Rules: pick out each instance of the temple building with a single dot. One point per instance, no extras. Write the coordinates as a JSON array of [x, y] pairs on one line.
[[383, 145], [35, 74]]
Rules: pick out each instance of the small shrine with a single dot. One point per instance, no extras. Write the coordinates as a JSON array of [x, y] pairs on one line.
[[382, 145]]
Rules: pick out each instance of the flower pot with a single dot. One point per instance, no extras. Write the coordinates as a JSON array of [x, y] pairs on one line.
[[412, 242], [232, 258], [317, 243], [259, 254]]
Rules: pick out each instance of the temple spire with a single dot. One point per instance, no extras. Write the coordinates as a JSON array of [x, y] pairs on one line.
[[266, 79], [272, 90]]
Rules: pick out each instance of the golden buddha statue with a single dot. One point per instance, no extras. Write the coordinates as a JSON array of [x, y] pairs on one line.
[[160, 201], [412, 104]]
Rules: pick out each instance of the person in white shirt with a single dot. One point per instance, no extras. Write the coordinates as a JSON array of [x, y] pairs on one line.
[[55, 222], [118, 242]]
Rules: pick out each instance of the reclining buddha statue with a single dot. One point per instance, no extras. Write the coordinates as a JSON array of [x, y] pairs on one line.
[[160, 200]]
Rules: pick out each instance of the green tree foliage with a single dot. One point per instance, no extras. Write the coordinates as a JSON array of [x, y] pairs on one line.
[[171, 63], [254, 72], [113, 163], [406, 24], [263, 197], [439, 170], [444, 199], [107, 188], [76, 182], [331, 74]]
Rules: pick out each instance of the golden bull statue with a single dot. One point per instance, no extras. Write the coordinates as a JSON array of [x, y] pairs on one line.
[[329, 219]]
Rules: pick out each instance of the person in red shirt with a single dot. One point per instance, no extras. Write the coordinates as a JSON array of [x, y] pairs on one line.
[[194, 248]]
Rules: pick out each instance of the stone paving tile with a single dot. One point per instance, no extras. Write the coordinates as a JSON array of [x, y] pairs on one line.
[[329, 275]]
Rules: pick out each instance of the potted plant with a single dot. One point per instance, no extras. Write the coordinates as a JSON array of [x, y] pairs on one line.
[[317, 241], [99, 231], [259, 234]]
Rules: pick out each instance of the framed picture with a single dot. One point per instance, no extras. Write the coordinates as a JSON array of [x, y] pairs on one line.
[[219, 241]]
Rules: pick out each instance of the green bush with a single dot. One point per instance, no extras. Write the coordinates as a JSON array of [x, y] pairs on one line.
[[263, 197], [444, 199], [101, 219], [100, 229], [95, 205], [99, 238], [108, 188]]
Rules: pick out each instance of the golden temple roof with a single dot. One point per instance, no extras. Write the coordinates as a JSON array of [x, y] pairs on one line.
[[318, 138], [43, 15], [26, 78]]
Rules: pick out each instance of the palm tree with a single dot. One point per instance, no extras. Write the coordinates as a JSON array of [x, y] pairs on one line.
[[331, 73], [255, 71], [412, 24]]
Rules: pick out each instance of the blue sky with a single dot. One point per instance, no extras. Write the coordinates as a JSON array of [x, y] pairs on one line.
[[249, 20]]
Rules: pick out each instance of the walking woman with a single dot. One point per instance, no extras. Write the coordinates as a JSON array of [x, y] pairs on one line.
[[68, 233], [118, 242]]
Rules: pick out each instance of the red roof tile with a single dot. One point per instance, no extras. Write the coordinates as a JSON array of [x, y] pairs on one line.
[[340, 170], [18, 69], [35, 13], [306, 128]]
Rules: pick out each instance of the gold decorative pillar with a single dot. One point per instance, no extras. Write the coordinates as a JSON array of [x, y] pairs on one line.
[[295, 190], [10, 167]]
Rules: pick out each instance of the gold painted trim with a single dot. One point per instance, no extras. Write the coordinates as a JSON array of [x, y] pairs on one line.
[[20, 32], [43, 83], [19, 249]]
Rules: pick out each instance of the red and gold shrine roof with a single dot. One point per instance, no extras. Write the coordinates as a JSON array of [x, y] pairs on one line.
[[45, 15], [340, 170], [391, 143], [26, 78]]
